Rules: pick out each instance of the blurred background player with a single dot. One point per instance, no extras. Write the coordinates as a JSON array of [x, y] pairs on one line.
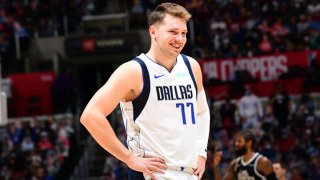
[[248, 164], [280, 170], [250, 109]]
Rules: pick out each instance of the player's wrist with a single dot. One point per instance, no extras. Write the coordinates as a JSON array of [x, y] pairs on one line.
[[129, 158]]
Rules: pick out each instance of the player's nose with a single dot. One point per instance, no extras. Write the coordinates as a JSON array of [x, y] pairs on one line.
[[179, 37]]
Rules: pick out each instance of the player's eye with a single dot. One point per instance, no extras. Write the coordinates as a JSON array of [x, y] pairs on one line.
[[173, 32]]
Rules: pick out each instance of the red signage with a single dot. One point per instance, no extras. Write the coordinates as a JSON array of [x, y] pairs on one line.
[[264, 68], [31, 94]]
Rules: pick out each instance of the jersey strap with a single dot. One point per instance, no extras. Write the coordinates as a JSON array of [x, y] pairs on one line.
[[141, 100], [186, 61]]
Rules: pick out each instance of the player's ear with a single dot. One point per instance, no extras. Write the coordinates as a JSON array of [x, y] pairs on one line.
[[152, 31], [249, 144]]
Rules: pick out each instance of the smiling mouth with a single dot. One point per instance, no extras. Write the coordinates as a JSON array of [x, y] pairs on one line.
[[176, 47]]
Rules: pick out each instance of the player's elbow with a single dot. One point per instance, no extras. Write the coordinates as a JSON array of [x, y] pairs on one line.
[[85, 118]]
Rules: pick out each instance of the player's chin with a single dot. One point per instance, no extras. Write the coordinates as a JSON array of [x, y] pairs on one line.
[[176, 52]]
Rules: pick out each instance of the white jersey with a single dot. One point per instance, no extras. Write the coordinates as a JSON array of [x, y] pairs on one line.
[[161, 122]]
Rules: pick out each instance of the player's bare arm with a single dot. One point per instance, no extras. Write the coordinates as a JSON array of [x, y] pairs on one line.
[[203, 120], [231, 174], [265, 167], [125, 84], [217, 156]]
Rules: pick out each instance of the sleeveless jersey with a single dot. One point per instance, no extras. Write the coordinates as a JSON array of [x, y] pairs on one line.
[[161, 121], [248, 170]]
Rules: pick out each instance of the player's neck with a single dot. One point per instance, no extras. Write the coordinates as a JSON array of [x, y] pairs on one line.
[[246, 157], [167, 62], [283, 178]]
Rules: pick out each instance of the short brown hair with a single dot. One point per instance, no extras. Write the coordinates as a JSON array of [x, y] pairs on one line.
[[158, 14]]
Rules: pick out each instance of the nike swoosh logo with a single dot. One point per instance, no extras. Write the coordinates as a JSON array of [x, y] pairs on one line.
[[156, 77]]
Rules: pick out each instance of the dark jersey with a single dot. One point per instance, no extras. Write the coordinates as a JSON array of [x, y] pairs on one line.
[[248, 170]]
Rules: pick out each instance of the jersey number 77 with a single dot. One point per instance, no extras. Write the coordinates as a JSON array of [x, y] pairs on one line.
[[188, 105]]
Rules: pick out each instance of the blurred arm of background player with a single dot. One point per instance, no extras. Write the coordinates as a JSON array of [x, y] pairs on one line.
[[203, 121], [125, 84], [217, 156]]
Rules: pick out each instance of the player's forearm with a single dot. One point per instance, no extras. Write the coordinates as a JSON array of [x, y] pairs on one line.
[[216, 173], [101, 130], [203, 121]]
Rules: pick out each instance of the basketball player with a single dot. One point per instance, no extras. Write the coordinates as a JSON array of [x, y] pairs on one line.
[[280, 170], [163, 102], [248, 165]]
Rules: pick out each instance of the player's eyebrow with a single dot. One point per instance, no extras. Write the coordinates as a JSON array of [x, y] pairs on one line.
[[177, 29]]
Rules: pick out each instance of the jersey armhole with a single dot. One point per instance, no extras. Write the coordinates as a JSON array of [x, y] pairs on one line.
[[255, 168], [140, 102], [186, 61]]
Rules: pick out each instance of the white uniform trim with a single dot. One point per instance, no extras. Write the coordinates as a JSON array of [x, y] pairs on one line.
[[255, 167]]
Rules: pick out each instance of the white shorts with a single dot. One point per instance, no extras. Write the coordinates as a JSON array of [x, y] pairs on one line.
[[172, 175]]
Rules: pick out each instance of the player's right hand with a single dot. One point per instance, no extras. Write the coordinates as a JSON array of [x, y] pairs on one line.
[[147, 165], [217, 157]]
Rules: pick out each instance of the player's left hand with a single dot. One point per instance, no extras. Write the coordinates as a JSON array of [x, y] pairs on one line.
[[201, 166]]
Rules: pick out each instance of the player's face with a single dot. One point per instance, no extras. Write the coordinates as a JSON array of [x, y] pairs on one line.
[[170, 36], [240, 146], [278, 170]]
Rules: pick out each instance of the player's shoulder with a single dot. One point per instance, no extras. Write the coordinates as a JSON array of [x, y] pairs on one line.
[[196, 71], [192, 60], [130, 67], [234, 163], [127, 72], [264, 164], [263, 159], [235, 160], [131, 63], [194, 65]]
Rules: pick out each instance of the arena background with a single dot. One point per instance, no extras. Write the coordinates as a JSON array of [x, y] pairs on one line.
[[55, 54]]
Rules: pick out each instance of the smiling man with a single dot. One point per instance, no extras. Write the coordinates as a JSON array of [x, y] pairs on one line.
[[163, 102]]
